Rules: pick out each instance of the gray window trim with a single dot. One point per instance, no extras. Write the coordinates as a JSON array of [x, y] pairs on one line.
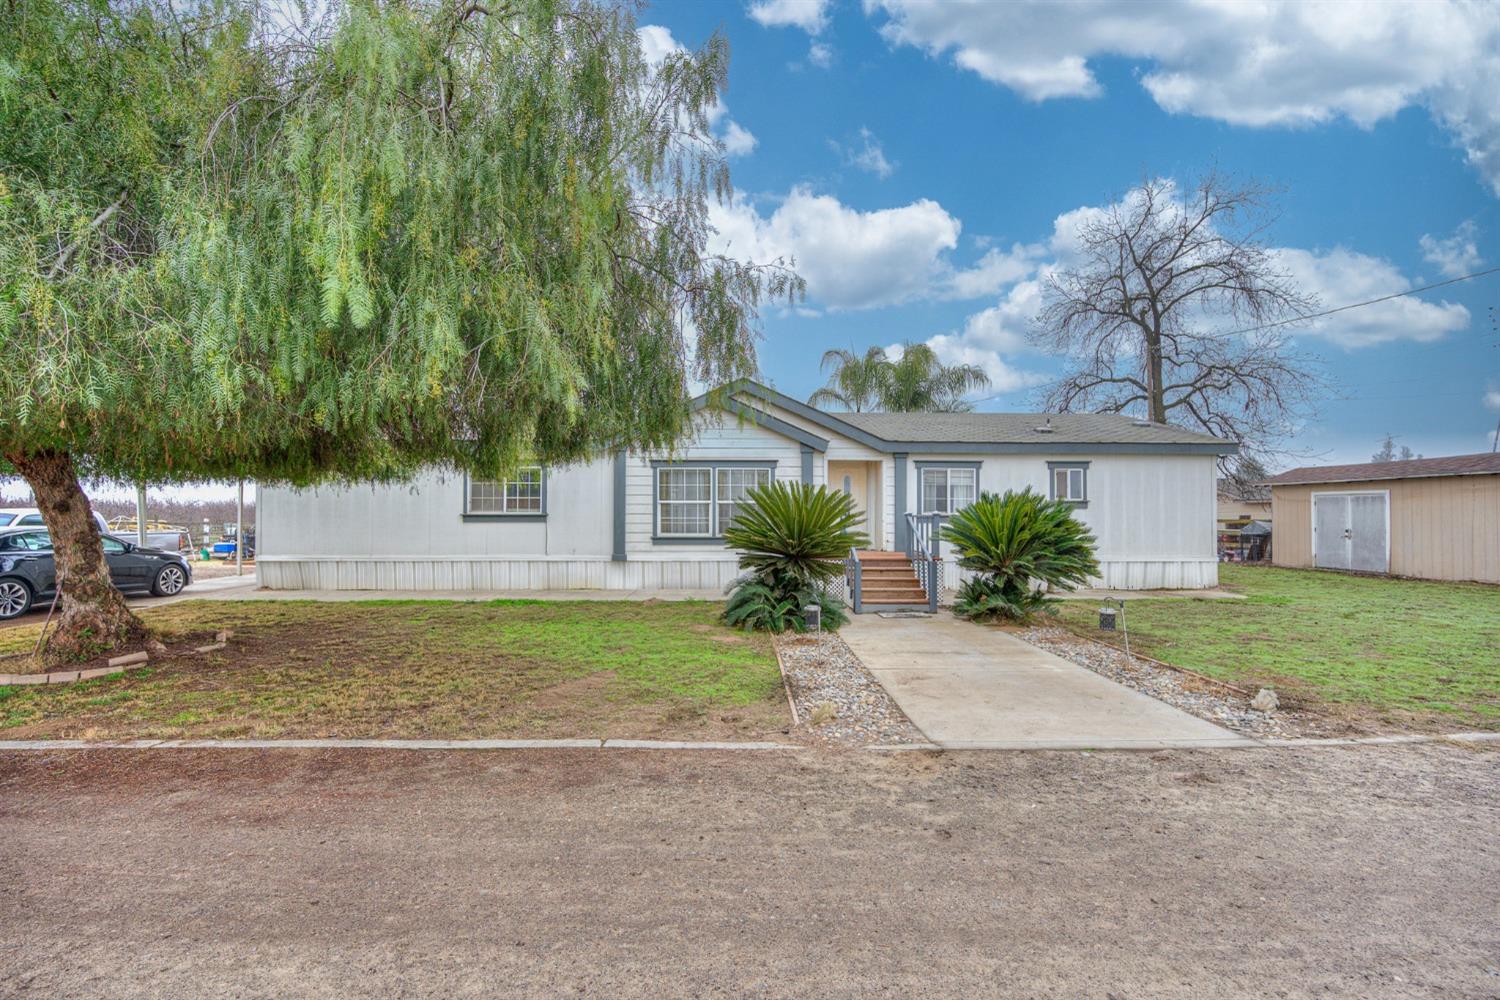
[[1052, 468], [922, 466], [714, 464], [518, 517]]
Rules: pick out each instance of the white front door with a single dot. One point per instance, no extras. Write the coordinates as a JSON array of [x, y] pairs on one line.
[[1351, 531]]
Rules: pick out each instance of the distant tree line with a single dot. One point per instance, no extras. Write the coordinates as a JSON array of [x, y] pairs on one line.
[[183, 513]]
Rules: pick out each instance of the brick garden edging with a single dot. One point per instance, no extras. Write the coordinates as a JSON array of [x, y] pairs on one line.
[[63, 676]]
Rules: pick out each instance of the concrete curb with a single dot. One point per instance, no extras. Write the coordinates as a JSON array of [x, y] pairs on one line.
[[1014, 746], [1361, 741], [334, 744]]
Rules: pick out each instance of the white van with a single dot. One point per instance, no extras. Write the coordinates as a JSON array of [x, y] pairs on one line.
[[25, 517]]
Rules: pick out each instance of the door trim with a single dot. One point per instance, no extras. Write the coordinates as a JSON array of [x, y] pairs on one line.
[[1312, 518]]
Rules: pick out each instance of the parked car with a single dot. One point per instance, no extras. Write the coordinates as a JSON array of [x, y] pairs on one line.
[[28, 575], [28, 517]]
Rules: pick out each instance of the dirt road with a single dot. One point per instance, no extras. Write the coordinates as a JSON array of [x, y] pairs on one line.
[[1347, 872]]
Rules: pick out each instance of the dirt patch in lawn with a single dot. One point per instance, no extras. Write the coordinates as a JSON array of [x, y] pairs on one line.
[[424, 669]]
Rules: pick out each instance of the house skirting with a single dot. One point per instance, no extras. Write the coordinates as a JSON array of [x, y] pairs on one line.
[[419, 573], [1140, 574]]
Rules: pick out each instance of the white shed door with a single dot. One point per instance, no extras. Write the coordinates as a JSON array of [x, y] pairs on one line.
[[1367, 526], [1349, 531]]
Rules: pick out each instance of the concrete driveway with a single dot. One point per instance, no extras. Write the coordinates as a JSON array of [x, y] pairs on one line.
[[971, 687]]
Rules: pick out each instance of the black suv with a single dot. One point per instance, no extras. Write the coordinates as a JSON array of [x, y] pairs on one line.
[[27, 573]]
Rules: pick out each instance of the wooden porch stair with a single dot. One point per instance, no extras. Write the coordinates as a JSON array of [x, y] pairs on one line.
[[888, 580]]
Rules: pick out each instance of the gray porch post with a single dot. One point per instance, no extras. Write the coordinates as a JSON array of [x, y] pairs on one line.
[[902, 541], [618, 555], [807, 465]]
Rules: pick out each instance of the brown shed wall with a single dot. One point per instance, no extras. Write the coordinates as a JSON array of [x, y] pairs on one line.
[[1442, 527]]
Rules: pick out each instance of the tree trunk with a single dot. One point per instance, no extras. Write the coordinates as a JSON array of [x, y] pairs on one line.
[[1158, 401], [93, 616]]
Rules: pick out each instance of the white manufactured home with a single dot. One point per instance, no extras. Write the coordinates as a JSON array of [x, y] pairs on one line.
[[631, 521]]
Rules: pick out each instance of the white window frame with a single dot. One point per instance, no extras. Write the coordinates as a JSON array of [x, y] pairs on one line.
[[506, 494], [764, 471], [946, 469], [1070, 471]]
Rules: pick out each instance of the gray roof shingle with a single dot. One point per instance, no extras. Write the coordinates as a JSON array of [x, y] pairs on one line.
[[1009, 428], [1484, 463]]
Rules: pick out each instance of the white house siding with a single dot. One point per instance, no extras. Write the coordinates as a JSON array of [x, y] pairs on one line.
[[1153, 515], [843, 449]]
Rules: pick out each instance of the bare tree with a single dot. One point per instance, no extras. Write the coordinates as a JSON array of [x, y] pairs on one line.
[[1153, 312]]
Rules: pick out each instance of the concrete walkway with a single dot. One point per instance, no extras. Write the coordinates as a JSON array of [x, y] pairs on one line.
[[969, 687]]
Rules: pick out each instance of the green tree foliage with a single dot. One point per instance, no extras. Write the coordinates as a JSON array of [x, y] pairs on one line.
[[1020, 545], [792, 538], [916, 381], [402, 233], [858, 383]]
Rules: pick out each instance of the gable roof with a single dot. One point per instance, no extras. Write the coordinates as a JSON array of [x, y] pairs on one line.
[[990, 433], [1485, 463]]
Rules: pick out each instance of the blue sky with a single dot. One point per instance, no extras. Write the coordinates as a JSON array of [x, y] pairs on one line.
[[916, 158]]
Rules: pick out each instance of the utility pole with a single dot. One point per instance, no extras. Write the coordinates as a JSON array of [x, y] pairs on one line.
[[140, 514], [239, 531]]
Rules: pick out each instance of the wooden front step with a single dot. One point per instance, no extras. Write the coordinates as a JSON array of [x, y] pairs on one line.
[[888, 579]]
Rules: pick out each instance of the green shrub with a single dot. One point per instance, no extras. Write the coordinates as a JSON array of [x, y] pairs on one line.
[[792, 539], [1020, 545]]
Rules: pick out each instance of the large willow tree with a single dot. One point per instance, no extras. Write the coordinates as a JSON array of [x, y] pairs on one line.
[[404, 233]]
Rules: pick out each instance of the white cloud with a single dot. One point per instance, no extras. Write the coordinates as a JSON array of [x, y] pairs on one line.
[[1337, 277], [1340, 277], [820, 55], [809, 15], [868, 155], [657, 44], [854, 259], [1455, 255], [1492, 399], [1273, 63], [850, 259], [737, 139]]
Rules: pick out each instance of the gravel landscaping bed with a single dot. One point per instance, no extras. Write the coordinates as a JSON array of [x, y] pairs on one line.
[[1196, 697], [838, 700]]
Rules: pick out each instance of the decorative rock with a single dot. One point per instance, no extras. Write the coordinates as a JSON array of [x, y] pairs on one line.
[[1265, 700], [129, 658], [822, 673]]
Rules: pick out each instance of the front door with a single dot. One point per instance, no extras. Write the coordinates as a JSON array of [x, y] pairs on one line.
[[854, 480], [1350, 531]]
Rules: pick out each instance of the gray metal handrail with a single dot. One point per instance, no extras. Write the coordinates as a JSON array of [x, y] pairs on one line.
[[924, 549]]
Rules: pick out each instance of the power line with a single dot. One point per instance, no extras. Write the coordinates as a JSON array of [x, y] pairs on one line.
[[1358, 305], [1337, 309]]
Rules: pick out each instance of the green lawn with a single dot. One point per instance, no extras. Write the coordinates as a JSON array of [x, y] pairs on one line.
[[1403, 649], [423, 668]]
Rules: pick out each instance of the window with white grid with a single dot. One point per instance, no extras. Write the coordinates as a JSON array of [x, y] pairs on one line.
[[948, 490], [733, 485], [684, 502], [520, 494]]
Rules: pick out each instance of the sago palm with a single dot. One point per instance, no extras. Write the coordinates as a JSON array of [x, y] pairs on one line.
[[1020, 545], [791, 537]]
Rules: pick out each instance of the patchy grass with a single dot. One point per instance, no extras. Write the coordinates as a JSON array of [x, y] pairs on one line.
[[423, 668], [1403, 650]]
